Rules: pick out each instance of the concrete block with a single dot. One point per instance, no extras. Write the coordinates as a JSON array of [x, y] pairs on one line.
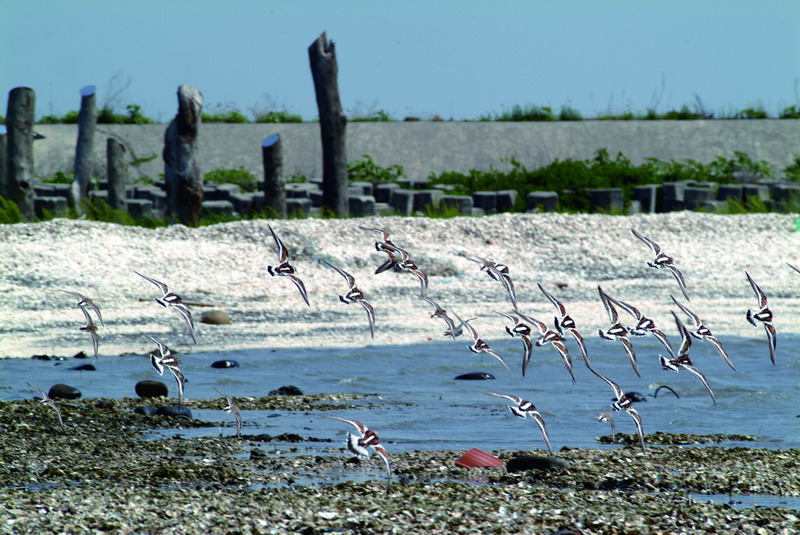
[[101, 194], [361, 205], [730, 191], [43, 190], [315, 197], [635, 207], [542, 201], [462, 203], [383, 209], [242, 202], [219, 208], [219, 192], [444, 187], [301, 190], [140, 207], [365, 187], [672, 196], [648, 197], [761, 191], [152, 194], [712, 206], [606, 199], [414, 183], [786, 196], [299, 207], [485, 200], [52, 205], [402, 201], [427, 197], [383, 191], [506, 199], [694, 196]]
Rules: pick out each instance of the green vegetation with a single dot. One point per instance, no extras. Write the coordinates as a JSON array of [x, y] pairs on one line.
[[367, 170], [277, 117], [9, 212], [240, 176], [379, 116]]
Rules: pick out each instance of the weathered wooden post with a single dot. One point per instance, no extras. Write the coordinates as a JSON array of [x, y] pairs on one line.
[[332, 124], [116, 171], [84, 148], [19, 161], [3, 159], [181, 173], [274, 186]]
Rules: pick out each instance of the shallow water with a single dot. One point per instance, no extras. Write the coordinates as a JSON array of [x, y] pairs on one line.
[[421, 406]]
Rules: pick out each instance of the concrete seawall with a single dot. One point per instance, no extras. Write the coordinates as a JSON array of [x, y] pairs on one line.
[[423, 148]]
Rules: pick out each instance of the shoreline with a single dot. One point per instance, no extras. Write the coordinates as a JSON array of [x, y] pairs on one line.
[[225, 265]]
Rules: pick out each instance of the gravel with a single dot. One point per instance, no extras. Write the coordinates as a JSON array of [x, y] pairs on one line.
[[225, 266]]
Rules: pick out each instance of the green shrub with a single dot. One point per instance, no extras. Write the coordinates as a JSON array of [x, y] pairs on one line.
[[368, 171], [277, 117], [107, 115], [791, 112], [792, 171], [757, 112], [240, 176], [568, 113], [9, 212], [232, 116], [379, 116], [60, 177]]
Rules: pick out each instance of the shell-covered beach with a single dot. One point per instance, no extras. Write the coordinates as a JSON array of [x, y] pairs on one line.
[[99, 475]]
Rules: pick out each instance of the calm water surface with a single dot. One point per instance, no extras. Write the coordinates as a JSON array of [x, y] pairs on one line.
[[421, 406]]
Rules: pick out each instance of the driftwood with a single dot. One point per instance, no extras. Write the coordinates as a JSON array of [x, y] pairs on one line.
[[19, 170], [274, 186], [332, 124], [84, 148], [117, 174], [181, 172]]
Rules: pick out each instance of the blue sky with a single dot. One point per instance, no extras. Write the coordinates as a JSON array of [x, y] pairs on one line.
[[458, 59]]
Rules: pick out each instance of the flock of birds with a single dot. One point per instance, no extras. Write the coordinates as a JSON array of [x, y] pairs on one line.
[[532, 332]]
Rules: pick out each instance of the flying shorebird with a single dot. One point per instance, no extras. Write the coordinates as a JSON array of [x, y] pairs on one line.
[[441, 313], [549, 336], [233, 409], [661, 260], [523, 330], [399, 258], [358, 445], [764, 315], [498, 272], [354, 295], [84, 301], [565, 321], [285, 269], [623, 402], [644, 324], [459, 330], [701, 332], [521, 409], [90, 328], [479, 346], [166, 359], [683, 360], [172, 300], [617, 331], [47, 400]]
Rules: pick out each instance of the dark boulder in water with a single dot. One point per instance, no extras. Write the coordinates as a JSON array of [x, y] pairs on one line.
[[535, 462], [225, 364], [151, 389], [175, 411], [289, 390], [474, 376], [145, 410], [84, 368], [62, 391]]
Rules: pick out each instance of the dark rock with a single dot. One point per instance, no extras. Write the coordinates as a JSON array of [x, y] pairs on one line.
[[80, 355], [289, 390], [145, 410], [257, 454], [225, 364], [62, 391], [474, 376], [105, 404], [175, 411], [536, 462], [215, 317], [84, 368], [151, 389], [42, 357]]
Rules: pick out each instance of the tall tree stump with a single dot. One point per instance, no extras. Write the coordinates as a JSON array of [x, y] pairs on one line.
[[332, 124], [181, 172], [116, 171], [84, 148], [274, 185], [19, 161], [3, 160]]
